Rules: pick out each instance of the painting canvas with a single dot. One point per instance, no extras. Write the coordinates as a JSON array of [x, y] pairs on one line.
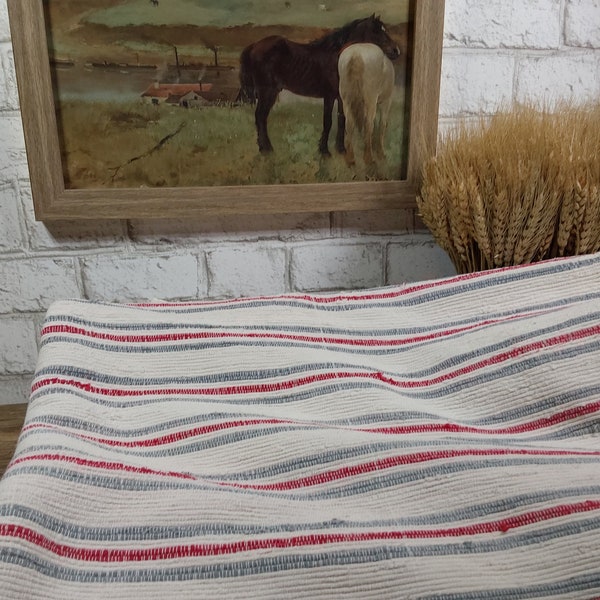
[[151, 93]]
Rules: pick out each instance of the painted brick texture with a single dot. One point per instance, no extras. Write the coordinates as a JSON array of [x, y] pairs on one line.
[[495, 52], [532, 24], [582, 23], [113, 278]]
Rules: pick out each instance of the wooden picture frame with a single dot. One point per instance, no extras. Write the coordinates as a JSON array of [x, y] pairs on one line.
[[53, 201]]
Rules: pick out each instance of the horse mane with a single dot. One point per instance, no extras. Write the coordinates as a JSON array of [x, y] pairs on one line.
[[338, 38]]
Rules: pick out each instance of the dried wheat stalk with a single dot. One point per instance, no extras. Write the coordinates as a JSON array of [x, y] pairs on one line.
[[521, 187]]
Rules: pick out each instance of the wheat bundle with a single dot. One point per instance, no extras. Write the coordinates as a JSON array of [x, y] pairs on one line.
[[521, 187]]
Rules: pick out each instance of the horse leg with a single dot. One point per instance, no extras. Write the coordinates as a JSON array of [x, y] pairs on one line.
[[350, 126], [384, 113], [266, 100], [370, 114], [341, 127], [327, 110]]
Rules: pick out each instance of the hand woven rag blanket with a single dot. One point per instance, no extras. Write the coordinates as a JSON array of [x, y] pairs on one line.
[[436, 441]]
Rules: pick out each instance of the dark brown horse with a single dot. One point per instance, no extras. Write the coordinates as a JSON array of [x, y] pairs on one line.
[[276, 63]]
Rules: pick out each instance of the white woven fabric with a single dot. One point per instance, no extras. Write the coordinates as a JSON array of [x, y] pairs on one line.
[[438, 440]]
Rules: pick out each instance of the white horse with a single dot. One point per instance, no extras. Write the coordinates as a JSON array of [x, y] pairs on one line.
[[366, 83]]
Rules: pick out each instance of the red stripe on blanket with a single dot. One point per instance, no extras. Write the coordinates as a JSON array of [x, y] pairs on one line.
[[386, 295], [199, 335], [558, 418], [250, 545], [163, 439], [97, 464], [342, 473], [333, 475], [277, 386]]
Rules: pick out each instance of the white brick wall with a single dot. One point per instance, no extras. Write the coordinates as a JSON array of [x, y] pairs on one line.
[[417, 258], [510, 24], [476, 82], [13, 159], [495, 51], [559, 76], [252, 271], [114, 277], [582, 25], [329, 265], [18, 350], [32, 284], [11, 235]]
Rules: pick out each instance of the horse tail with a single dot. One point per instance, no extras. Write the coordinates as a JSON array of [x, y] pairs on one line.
[[247, 89], [355, 103]]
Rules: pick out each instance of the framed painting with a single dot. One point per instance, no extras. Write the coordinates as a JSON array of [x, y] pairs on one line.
[[156, 108]]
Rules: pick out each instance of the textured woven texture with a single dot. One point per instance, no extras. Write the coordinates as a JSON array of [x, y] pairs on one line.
[[439, 440]]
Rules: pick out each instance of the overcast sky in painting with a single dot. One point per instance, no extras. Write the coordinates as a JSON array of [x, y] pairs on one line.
[[223, 13]]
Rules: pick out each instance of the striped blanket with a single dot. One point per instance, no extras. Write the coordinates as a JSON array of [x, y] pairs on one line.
[[437, 440]]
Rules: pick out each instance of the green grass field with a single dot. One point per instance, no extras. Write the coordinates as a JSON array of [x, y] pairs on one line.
[[128, 145]]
